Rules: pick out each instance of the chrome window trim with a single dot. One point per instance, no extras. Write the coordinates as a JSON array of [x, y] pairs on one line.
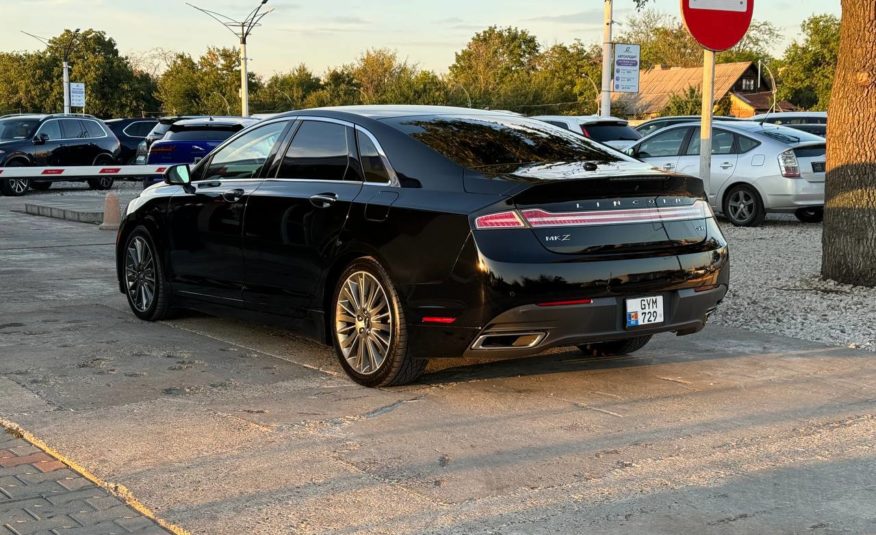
[[393, 177], [58, 119]]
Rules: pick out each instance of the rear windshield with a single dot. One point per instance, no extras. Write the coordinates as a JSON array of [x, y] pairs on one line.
[[201, 134], [610, 132], [476, 141], [12, 128], [789, 136]]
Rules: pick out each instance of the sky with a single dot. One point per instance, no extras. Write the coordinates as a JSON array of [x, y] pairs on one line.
[[328, 33]]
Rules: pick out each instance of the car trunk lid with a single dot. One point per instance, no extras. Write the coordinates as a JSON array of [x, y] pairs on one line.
[[811, 160]]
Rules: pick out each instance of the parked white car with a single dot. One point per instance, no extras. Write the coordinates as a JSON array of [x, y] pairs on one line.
[[756, 168], [792, 117], [611, 131]]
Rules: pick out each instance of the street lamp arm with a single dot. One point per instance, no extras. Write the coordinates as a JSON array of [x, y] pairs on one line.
[[37, 37], [214, 16], [255, 22]]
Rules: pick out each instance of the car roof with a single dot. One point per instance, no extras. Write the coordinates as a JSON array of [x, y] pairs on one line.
[[390, 111], [216, 121], [583, 119]]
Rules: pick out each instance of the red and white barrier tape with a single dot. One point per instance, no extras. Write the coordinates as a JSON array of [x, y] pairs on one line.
[[59, 173]]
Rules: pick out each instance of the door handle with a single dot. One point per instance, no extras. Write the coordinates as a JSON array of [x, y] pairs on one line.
[[668, 166], [233, 195], [726, 165], [323, 200]]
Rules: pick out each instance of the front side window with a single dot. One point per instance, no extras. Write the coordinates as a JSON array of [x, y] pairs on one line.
[[663, 145], [245, 156], [52, 130], [371, 160], [318, 152], [71, 129]]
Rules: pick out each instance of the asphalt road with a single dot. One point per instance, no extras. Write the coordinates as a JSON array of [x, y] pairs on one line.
[[228, 427]]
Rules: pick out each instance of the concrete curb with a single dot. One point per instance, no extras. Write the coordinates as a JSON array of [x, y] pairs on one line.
[[119, 491], [69, 214]]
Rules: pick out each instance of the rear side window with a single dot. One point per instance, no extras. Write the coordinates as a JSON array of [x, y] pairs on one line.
[[93, 129], [201, 134], [318, 152], [372, 162], [663, 144], [71, 129], [138, 129], [610, 132], [484, 141], [746, 144]]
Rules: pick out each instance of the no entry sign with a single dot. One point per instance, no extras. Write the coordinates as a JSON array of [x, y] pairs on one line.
[[717, 24]]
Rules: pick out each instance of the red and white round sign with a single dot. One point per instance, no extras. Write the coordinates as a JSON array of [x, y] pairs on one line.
[[717, 24]]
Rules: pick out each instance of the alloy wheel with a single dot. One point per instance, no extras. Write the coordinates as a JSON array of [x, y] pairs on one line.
[[742, 206], [19, 185], [140, 274], [363, 322]]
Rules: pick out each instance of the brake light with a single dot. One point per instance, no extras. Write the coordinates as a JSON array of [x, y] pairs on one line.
[[585, 131], [162, 148], [510, 219], [537, 217], [789, 165]]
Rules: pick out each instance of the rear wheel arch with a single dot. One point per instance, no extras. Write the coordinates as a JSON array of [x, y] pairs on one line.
[[333, 275]]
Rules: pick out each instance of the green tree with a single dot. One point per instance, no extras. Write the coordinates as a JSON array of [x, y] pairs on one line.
[[177, 87], [807, 69], [287, 91], [688, 102], [492, 59]]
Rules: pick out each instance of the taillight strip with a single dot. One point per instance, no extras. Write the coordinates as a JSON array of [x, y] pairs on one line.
[[542, 218]]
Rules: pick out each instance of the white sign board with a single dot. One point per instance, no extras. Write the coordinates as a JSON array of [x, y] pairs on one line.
[[626, 68], [740, 6], [77, 95]]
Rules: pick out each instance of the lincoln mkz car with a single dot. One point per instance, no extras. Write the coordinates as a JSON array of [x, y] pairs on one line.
[[397, 234]]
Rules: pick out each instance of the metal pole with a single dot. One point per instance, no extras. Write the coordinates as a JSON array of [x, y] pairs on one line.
[[66, 87], [244, 82], [706, 125], [605, 106]]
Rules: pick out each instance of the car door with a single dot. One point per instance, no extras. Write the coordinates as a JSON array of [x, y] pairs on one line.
[[724, 158], [206, 220], [663, 148], [50, 151], [294, 222], [75, 149]]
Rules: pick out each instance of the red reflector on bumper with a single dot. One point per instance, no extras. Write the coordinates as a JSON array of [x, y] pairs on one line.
[[705, 288], [566, 303], [445, 320]]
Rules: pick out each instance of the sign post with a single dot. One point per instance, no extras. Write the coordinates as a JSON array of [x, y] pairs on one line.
[[77, 95], [626, 68], [716, 25]]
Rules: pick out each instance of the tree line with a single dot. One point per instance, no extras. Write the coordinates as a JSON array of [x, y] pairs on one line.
[[500, 68]]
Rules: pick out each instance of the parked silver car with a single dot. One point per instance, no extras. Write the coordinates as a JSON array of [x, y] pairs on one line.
[[756, 168]]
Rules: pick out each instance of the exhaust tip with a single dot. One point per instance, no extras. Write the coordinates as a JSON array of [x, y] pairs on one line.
[[508, 340]]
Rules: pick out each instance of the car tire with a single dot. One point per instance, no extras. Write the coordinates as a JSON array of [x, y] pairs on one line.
[[744, 207], [15, 187], [40, 186], [142, 266], [615, 347], [810, 215], [371, 356], [101, 182]]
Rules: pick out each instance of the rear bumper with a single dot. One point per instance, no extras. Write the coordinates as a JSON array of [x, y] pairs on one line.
[[788, 194], [685, 312]]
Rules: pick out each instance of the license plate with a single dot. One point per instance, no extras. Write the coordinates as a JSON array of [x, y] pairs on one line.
[[817, 167], [644, 311]]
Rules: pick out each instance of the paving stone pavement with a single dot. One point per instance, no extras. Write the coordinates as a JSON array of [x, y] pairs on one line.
[[41, 495]]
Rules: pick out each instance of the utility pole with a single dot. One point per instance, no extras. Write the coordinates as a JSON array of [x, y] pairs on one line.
[[605, 106], [241, 29], [66, 65], [706, 114]]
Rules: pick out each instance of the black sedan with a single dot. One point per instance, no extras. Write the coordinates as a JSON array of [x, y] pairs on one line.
[[397, 234]]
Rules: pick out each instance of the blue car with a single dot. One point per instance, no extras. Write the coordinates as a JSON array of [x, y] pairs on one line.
[[190, 140]]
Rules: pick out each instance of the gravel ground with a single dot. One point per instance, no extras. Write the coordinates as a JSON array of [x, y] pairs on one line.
[[776, 287]]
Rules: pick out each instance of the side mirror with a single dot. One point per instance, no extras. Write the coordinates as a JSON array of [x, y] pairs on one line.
[[40, 139], [177, 175]]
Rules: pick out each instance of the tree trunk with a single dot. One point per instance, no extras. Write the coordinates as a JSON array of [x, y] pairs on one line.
[[849, 239]]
